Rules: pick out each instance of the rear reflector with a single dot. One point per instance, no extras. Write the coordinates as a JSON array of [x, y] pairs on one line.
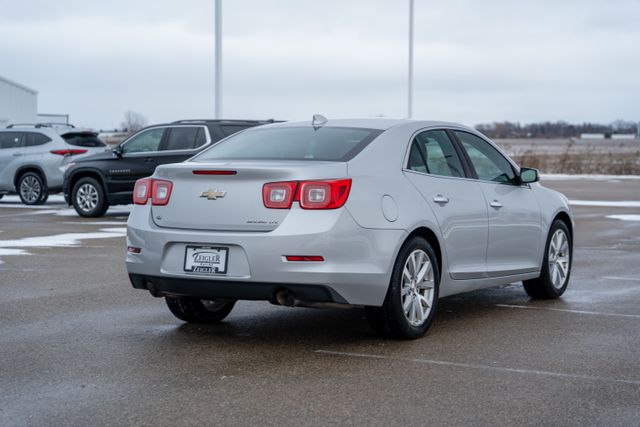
[[213, 172], [68, 152], [134, 250], [316, 258]]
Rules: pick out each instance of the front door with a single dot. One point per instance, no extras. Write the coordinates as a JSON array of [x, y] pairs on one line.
[[514, 214], [11, 157], [436, 170]]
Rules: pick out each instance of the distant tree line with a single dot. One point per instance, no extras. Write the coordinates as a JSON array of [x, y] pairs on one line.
[[554, 129]]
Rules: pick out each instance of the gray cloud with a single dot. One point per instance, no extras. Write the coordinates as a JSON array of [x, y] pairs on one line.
[[475, 61]]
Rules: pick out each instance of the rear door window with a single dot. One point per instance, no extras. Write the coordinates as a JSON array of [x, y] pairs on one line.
[[33, 139], [83, 140], [144, 142], [433, 152], [183, 138], [11, 139], [293, 143]]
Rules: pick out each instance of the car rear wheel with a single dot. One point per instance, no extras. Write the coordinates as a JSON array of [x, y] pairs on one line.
[[31, 189], [412, 298], [556, 266], [88, 198], [194, 310]]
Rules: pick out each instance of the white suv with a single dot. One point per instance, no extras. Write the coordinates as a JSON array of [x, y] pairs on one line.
[[32, 158]]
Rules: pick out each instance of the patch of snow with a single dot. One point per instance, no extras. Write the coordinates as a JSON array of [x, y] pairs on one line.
[[607, 203], [629, 217], [567, 177]]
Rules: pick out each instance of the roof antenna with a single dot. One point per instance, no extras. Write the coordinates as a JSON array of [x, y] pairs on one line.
[[318, 121]]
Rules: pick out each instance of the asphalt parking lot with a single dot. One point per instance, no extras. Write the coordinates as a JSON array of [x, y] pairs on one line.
[[80, 346]]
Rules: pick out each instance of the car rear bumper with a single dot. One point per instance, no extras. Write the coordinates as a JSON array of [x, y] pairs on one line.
[[356, 268]]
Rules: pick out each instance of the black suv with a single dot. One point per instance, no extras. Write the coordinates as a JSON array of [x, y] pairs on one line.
[[94, 183]]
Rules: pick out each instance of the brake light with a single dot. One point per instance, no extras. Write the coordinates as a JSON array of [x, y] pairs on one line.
[[213, 172], [324, 194], [160, 192], [142, 191], [279, 195], [68, 152]]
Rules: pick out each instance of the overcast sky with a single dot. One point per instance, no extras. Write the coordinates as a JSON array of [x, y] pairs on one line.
[[475, 61]]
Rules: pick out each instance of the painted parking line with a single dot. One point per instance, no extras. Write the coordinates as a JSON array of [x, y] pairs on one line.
[[565, 310], [631, 279], [480, 367]]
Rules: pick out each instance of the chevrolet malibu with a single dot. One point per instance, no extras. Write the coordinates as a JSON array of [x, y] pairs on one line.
[[386, 214]]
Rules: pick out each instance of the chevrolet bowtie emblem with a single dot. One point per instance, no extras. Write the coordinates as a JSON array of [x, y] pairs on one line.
[[213, 194]]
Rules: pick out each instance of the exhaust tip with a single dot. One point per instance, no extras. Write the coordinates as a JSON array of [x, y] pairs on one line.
[[283, 297]]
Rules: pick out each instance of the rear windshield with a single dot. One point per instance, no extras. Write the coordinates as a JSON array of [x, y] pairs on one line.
[[293, 143], [83, 140]]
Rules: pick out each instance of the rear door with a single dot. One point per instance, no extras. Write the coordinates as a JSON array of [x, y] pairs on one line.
[[181, 143], [11, 157], [514, 213], [435, 168]]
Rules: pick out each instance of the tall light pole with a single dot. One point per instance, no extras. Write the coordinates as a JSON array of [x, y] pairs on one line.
[[410, 81], [218, 60]]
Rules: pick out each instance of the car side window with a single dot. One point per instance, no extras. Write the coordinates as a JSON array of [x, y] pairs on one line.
[[433, 152], [11, 139], [181, 138], [145, 141], [489, 163], [33, 139]]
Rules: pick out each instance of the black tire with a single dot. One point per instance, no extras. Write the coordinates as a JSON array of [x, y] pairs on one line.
[[543, 286], [89, 188], [32, 189], [390, 319], [194, 310]]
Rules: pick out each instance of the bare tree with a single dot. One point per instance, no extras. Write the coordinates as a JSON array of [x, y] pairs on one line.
[[133, 122]]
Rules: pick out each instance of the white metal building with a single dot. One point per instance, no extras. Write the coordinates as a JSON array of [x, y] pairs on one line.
[[18, 103]]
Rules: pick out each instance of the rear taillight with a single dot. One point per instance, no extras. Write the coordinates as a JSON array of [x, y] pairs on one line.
[[142, 191], [158, 190], [325, 194], [279, 195], [68, 152]]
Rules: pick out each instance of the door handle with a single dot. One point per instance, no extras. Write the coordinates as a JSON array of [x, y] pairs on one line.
[[149, 160], [495, 204], [17, 154], [440, 199]]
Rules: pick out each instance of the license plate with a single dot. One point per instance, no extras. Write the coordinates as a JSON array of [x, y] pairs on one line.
[[206, 259]]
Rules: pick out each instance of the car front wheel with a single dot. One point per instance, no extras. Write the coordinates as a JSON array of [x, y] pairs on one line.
[[194, 310], [556, 266], [88, 198], [31, 189], [412, 298]]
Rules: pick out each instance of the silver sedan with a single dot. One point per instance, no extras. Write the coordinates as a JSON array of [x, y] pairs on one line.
[[387, 214]]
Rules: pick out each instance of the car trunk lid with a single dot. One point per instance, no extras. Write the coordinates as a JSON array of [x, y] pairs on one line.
[[204, 201]]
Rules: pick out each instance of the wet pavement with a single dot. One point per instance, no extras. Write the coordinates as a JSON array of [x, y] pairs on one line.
[[80, 346]]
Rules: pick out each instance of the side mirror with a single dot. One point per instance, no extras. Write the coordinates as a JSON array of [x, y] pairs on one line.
[[117, 151], [529, 175]]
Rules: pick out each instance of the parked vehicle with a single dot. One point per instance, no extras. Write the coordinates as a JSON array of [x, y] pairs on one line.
[[94, 183], [386, 214], [32, 158]]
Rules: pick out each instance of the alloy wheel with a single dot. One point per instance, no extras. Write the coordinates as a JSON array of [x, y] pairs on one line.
[[417, 289], [30, 189], [559, 259], [87, 197]]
